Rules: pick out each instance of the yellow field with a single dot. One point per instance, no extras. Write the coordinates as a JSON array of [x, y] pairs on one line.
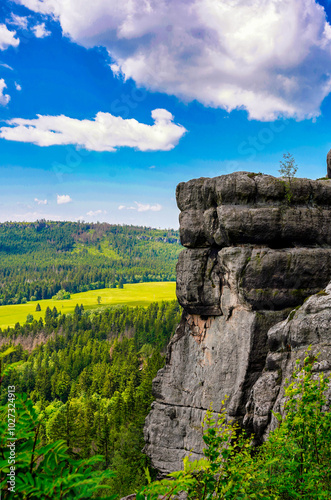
[[136, 294]]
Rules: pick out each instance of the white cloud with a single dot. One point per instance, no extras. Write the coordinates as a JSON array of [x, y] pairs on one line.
[[62, 199], [124, 207], [7, 38], [3, 65], [28, 216], [92, 213], [4, 98], [19, 21], [145, 208], [141, 207], [40, 202], [105, 133], [18, 86], [271, 58], [40, 30], [115, 69], [31, 216]]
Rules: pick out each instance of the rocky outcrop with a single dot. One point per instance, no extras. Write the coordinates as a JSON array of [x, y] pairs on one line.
[[256, 247], [328, 163], [257, 209], [261, 277], [309, 325]]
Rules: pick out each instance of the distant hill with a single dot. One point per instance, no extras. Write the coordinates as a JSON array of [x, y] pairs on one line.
[[40, 258]]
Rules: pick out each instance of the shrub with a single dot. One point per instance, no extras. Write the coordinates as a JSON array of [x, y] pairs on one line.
[[61, 295], [29, 318]]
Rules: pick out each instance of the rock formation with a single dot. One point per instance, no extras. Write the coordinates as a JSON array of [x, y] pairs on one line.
[[310, 325], [256, 247]]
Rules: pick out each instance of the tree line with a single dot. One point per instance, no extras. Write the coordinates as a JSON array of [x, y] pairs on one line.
[[38, 259]]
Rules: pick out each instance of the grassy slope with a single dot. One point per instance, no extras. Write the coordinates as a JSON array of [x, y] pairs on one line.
[[132, 295]]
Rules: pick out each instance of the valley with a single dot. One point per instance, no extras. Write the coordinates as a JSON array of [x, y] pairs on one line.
[[132, 294]]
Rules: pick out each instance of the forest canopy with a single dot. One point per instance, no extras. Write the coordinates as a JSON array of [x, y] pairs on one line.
[[90, 381], [39, 259]]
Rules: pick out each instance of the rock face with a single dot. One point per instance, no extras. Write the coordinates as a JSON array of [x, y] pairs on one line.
[[310, 325], [256, 247], [258, 209], [328, 164]]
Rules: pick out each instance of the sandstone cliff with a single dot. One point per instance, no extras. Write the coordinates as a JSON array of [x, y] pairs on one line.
[[309, 325], [256, 248]]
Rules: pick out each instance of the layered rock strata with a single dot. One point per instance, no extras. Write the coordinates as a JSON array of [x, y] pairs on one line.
[[256, 247]]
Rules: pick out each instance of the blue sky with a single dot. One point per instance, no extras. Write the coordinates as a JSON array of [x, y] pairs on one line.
[[132, 102]]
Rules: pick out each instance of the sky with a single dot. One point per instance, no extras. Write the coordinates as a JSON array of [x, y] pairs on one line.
[[105, 106]]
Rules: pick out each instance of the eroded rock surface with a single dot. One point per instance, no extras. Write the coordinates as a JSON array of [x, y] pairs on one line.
[[259, 209], [263, 277], [256, 247], [310, 325]]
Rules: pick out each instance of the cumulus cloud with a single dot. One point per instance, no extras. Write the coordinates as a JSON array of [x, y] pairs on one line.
[[22, 23], [19, 21], [270, 58], [141, 207], [145, 208], [4, 98], [40, 202], [40, 30], [105, 133], [93, 213], [62, 199], [18, 86], [7, 38]]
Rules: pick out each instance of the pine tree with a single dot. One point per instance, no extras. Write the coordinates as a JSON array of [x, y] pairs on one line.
[[48, 314]]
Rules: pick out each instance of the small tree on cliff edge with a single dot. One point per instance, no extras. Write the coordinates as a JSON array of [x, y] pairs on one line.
[[288, 167]]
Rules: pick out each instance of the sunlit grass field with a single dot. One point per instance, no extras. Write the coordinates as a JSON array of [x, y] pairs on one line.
[[136, 294]]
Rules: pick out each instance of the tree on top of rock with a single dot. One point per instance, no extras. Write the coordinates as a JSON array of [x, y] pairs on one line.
[[288, 167]]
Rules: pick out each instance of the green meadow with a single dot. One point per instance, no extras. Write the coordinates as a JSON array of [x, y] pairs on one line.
[[136, 294]]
